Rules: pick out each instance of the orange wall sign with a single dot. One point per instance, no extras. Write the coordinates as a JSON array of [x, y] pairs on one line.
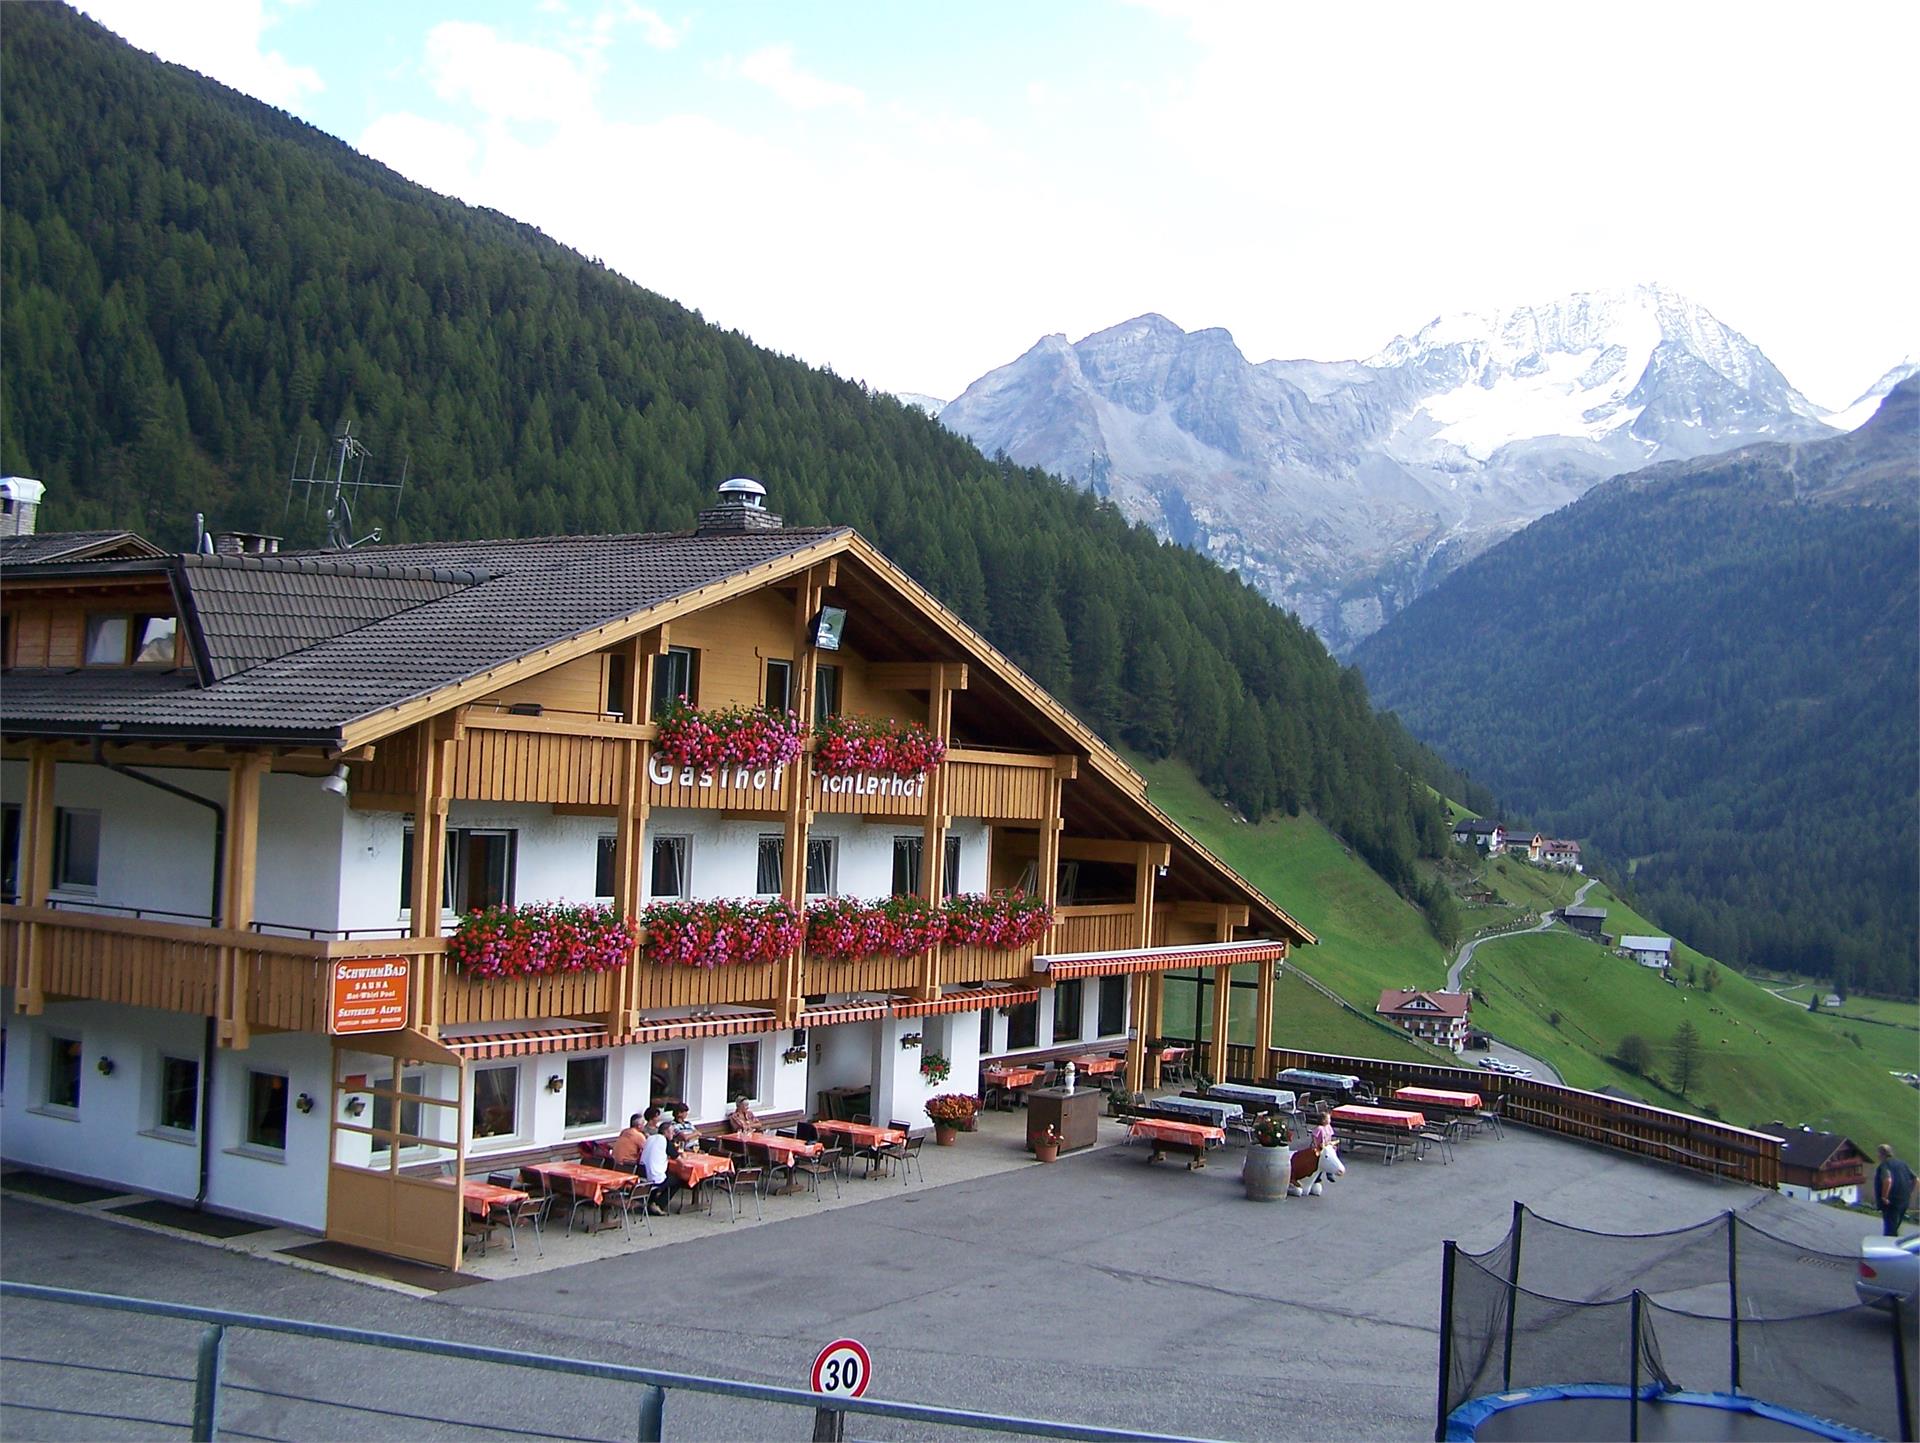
[[369, 995]]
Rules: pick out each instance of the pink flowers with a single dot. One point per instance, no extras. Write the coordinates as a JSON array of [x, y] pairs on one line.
[[720, 933], [850, 744], [734, 736], [998, 920], [845, 929], [539, 939]]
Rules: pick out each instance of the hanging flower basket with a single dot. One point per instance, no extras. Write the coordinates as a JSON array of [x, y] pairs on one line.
[[719, 933], [733, 736], [845, 929], [935, 1068], [539, 939], [848, 744], [1001, 921]]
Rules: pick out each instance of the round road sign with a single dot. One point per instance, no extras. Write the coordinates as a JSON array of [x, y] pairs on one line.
[[842, 1370]]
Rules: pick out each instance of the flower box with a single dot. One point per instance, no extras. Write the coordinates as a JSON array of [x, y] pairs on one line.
[[734, 736], [1001, 921], [844, 745], [845, 929], [719, 933], [539, 939]]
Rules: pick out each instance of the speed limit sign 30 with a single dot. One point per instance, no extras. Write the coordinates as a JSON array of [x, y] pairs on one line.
[[842, 1370]]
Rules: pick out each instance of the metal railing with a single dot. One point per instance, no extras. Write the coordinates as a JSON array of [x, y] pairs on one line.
[[653, 1383]]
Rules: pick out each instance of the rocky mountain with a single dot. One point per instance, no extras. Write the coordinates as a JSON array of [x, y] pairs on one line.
[[1344, 489], [1870, 399]]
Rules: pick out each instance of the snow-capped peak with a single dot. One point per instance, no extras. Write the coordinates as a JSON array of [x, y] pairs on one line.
[[1869, 400]]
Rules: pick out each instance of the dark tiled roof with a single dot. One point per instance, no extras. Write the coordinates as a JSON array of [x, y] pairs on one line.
[[1477, 827], [1812, 1150], [72, 546], [527, 595], [251, 609]]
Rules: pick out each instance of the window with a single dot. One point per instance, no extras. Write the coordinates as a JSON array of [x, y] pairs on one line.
[[586, 1091], [107, 640], [823, 859], [826, 693], [496, 1101], [676, 675], [1113, 1005], [179, 1095], [479, 870], [986, 1031], [1023, 1026], [1067, 1000], [382, 1114], [267, 1111], [616, 684], [121, 640], [779, 685], [10, 852], [907, 852], [63, 1072], [766, 865], [669, 1076], [743, 1070], [669, 867], [606, 856], [153, 642], [76, 849]]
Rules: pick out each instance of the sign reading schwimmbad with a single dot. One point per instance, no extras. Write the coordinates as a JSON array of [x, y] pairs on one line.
[[842, 1369], [369, 994]]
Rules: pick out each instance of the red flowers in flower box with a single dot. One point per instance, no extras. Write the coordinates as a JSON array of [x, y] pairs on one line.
[[999, 920], [720, 933], [845, 929], [733, 736], [539, 939], [844, 745]]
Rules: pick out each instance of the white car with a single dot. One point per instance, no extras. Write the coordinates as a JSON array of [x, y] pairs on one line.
[[1889, 1268], [1493, 1064], [1520, 1072]]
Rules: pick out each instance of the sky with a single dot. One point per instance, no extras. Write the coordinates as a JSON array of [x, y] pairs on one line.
[[913, 195]]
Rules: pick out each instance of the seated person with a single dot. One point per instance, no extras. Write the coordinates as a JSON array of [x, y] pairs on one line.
[[653, 1171], [681, 1130], [626, 1147], [742, 1117]]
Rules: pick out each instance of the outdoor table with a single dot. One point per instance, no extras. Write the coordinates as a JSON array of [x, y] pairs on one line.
[[1266, 1098], [1440, 1097], [1386, 1117], [865, 1134], [695, 1168], [781, 1151], [1010, 1080], [482, 1197], [1217, 1114], [1194, 1136], [1176, 1061], [1097, 1065], [595, 1184], [1303, 1079]]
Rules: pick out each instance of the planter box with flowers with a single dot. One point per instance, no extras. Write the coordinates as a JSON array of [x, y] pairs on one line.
[[539, 939], [735, 736], [846, 929], [880, 746], [719, 933], [952, 1112], [996, 921]]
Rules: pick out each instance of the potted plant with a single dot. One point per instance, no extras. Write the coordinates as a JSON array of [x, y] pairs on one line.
[[952, 1114], [1266, 1173], [935, 1068], [1046, 1144]]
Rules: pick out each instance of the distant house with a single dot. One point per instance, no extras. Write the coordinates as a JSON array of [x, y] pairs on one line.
[[1529, 846], [1649, 951], [1479, 832], [1818, 1166], [1562, 853], [1587, 921], [1436, 1017]]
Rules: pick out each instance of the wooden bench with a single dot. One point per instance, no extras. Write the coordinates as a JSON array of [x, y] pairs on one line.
[[1390, 1141]]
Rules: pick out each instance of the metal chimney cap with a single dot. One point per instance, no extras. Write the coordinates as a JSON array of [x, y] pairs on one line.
[[744, 489]]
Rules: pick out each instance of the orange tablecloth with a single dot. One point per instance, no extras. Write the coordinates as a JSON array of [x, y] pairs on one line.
[[694, 1168], [1174, 1054], [1440, 1097], [1011, 1076], [773, 1142], [482, 1197], [1380, 1117], [592, 1183], [866, 1134], [1185, 1134], [1098, 1065]]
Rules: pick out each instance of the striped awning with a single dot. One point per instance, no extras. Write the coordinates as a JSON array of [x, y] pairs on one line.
[[532, 1042], [969, 1001], [827, 1016], [1158, 959]]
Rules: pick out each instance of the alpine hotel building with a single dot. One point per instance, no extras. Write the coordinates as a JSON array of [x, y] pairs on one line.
[[249, 795]]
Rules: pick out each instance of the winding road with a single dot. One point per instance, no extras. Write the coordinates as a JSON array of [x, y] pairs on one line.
[[1542, 1070]]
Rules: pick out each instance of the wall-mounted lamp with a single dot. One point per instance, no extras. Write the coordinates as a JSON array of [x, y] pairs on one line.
[[1160, 871], [104, 1067], [304, 1102], [556, 1082], [909, 1039], [356, 1106], [336, 781]]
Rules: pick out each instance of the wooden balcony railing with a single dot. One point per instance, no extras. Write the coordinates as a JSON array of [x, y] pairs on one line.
[[1108, 928]]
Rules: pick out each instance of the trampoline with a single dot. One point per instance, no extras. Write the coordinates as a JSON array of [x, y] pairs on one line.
[[1602, 1410]]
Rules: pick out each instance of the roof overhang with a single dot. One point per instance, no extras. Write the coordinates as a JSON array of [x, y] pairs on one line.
[[1062, 966]]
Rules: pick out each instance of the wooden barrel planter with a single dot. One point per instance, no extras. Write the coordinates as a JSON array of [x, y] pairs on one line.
[[1266, 1173]]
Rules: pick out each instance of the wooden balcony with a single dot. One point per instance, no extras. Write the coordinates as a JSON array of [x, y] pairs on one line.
[[1106, 928]]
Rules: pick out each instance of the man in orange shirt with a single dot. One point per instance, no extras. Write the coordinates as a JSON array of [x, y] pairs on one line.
[[626, 1147]]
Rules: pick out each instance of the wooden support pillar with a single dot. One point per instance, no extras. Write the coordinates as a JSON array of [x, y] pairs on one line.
[[439, 742], [1222, 1020], [641, 654], [1263, 1068], [1047, 867], [1145, 874], [793, 856], [933, 840], [239, 869], [1137, 1031], [36, 875], [1154, 1005]]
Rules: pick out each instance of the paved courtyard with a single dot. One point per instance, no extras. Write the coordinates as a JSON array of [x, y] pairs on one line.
[[1099, 1289]]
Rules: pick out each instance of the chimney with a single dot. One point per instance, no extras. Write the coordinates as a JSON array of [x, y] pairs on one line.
[[245, 543], [19, 504], [742, 507]]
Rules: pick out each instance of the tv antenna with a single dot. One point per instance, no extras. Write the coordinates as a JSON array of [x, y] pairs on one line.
[[336, 491]]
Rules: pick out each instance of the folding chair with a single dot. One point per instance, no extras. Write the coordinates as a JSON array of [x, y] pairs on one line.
[[533, 1211]]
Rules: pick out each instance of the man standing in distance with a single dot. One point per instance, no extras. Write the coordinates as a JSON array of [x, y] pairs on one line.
[[1892, 1190]]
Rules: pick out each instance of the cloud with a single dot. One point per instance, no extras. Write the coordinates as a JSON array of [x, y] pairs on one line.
[[438, 155], [772, 67], [222, 39], [506, 80]]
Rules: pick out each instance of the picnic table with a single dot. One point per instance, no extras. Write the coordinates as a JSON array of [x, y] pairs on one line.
[[1440, 1098], [1097, 1065], [865, 1134], [1392, 1119], [1215, 1114], [1264, 1099], [1305, 1079], [482, 1198], [1165, 1133]]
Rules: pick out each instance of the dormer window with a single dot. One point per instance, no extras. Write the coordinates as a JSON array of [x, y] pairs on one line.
[[119, 639]]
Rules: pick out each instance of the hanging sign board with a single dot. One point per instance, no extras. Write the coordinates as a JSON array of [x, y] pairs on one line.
[[369, 994]]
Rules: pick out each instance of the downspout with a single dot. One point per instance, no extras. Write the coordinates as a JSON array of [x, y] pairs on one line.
[[214, 916]]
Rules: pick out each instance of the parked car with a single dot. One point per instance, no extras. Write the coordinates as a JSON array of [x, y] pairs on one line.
[[1520, 1072], [1889, 1268], [1493, 1064]]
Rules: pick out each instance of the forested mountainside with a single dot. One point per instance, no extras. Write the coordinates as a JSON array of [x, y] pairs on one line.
[[197, 283], [1708, 669]]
